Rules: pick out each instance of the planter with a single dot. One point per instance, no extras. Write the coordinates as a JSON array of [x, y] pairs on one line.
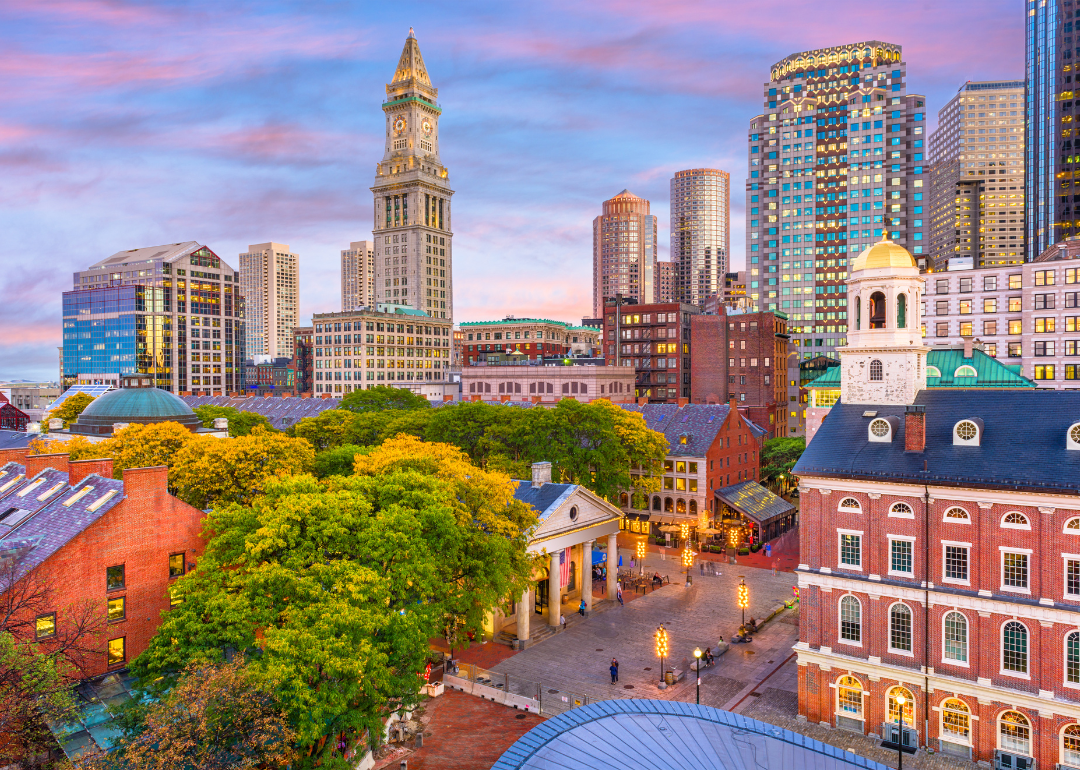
[[434, 690]]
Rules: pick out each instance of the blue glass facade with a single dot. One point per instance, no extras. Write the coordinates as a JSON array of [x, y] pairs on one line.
[[1051, 191]]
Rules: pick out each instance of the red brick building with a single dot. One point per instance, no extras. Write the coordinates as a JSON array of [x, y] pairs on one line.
[[11, 417], [742, 355], [114, 544], [655, 341], [303, 362]]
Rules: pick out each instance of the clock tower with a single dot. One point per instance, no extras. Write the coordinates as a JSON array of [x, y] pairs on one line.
[[413, 255]]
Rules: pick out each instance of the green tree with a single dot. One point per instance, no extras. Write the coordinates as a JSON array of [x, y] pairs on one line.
[[383, 397], [778, 457], [136, 446], [72, 407], [240, 423], [325, 430], [337, 461], [216, 717], [339, 585]]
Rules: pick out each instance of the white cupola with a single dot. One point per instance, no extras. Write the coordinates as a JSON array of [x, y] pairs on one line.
[[884, 361]]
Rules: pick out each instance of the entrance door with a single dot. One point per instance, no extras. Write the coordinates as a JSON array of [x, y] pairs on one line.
[[541, 594]]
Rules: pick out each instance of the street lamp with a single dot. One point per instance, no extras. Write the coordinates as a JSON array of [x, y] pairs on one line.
[[684, 534], [688, 561], [641, 556], [661, 648], [900, 701], [697, 666], [743, 597]]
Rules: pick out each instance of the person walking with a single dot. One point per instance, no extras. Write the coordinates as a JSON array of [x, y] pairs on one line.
[[618, 592], [581, 608], [614, 670]]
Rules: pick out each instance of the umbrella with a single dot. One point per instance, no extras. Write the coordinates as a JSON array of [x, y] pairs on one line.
[[709, 531], [669, 528]]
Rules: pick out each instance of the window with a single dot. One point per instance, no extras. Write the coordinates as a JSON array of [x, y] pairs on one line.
[[1014, 347], [1044, 301], [956, 563], [1044, 277], [967, 431], [1045, 325], [901, 510], [114, 578], [900, 557], [1014, 570], [176, 564], [1072, 577], [45, 626], [1070, 745], [1044, 348], [900, 628], [1072, 657], [1044, 371], [955, 720], [1015, 520], [1014, 647], [956, 632], [895, 712], [117, 651], [117, 609], [850, 504], [941, 329], [1016, 326], [989, 283], [989, 328], [1072, 526], [850, 550], [876, 371], [175, 597], [1014, 733], [849, 697], [941, 307], [850, 619], [1016, 281]]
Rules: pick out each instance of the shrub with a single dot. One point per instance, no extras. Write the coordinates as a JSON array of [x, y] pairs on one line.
[[755, 547], [744, 551]]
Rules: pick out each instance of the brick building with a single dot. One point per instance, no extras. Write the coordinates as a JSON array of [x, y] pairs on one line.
[[303, 363], [269, 376], [11, 417], [938, 562], [114, 544], [654, 340], [742, 355], [533, 338]]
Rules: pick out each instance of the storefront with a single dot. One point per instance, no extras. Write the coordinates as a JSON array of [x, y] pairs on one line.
[[749, 513]]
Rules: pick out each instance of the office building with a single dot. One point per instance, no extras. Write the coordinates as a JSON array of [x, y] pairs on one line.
[[173, 312], [547, 384], [532, 338], [836, 162], [413, 237], [358, 275], [624, 251], [654, 341], [270, 284], [977, 178], [665, 281], [700, 233], [303, 363], [1050, 162]]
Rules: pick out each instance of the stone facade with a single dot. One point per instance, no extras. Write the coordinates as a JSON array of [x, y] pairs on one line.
[[547, 384]]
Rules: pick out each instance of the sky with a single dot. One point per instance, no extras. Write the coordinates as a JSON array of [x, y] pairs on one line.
[[132, 124]]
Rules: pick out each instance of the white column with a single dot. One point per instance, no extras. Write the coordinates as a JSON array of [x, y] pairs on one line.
[[554, 591], [612, 565], [524, 615], [586, 574]]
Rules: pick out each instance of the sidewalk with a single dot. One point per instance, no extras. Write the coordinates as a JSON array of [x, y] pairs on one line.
[[784, 557]]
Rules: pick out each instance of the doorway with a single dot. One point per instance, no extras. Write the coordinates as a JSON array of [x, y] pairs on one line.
[[541, 594]]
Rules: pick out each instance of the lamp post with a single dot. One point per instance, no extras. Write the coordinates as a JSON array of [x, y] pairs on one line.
[[900, 701], [688, 562], [641, 557], [662, 649], [697, 667], [684, 534], [743, 597]]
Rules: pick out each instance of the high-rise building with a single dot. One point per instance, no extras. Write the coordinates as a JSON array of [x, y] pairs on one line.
[[270, 284], [413, 255], [1053, 212], [836, 163], [173, 312], [358, 275], [624, 251], [665, 281], [700, 233], [977, 178]]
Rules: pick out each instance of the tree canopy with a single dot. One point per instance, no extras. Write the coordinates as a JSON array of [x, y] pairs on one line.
[[335, 587], [381, 398], [779, 456], [240, 423], [72, 407], [136, 446]]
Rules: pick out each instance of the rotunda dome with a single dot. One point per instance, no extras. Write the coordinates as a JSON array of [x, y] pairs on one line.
[[136, 401], [884, 253]]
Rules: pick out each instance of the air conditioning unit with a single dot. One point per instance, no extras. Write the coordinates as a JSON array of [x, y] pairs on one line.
[[1003, 760], [893, 735]]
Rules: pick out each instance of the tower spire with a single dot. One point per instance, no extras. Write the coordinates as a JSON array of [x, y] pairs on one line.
[[410, 68]]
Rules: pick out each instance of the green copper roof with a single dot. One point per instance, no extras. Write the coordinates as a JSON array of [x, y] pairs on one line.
[[989, 372], [506, 321], [137, 403]]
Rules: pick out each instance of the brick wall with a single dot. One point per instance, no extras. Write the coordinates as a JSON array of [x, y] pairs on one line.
[[733, 456]]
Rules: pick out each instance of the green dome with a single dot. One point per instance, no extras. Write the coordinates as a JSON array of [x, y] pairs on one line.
[[138, 404]]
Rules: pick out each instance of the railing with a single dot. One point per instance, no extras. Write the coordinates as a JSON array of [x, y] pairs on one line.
[[511, 690]]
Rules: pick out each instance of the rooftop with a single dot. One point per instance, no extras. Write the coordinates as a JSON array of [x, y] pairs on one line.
[[943, 370]]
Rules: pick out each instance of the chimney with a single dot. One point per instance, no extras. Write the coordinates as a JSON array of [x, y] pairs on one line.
[[154, 479], [731, 402], [80, 469], [541, 473], [221, 423], [683, 402], [968, 345], [915, 428], [35, 464], [643, 401], [13, 456]]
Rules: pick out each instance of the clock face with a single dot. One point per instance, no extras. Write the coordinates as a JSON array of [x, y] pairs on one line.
[[426, 125], [399, 124]]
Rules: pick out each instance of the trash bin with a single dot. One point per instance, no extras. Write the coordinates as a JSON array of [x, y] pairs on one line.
[[669, 677]]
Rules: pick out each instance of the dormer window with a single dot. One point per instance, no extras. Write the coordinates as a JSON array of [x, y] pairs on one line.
[[968, 432], [882, 429], [933, 371], [876, 371], [1072, 438], [965, 371]]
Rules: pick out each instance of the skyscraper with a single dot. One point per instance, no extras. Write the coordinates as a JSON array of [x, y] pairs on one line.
[[270, 285], [358, 275], [413, 255], [665, 281], [836, 162], [977, 179], [624, 251], [700, 232], [1053, 197]]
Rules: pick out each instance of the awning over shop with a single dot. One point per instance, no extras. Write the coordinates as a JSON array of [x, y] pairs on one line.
[[755, 502]]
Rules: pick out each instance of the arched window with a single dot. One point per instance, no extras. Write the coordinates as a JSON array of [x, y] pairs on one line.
[[1072, 526], [850, 504], [966, 432], [680, 506], [955, 637], [693, 507], [955, 721], [877, 372], [850, 619], [900, 628], [956, 514], [1072, 657], [849, 697], [573, 513], [877, 310], [1014, 733], [1015, 520], [901, 311], [1073, 436], [624, 500], [933, 371], [966, 371], [1070, 745], [858, 312], [1014, 647], [895, 713], [570, 583], [669, 505], [656, 503], [902, 510]]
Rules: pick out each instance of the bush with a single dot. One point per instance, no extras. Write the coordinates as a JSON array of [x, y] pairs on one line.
[[755, 547], [744, 551], [717, 548]]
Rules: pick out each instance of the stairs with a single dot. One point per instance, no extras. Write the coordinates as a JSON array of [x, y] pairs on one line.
[[541, 630]]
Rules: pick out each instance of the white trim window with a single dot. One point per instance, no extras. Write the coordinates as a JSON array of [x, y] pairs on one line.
[[907, 712], [900, 628], [850, 620], [901, 556], [956, 515], [1070, 745], [956, 721], [1072, 659], [1014, 648], [849, 697], [1016, 570], [901, 511], [849, 549], [1072, 575], [850, 504], [1072, 526], [956, 562], [955, 637], [1014, 733], [1015, 520]]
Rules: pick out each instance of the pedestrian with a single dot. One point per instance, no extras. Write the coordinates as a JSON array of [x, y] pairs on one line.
[[562, 621], [768, 550], [614, 673], [581, 608], [618, 592], [615, 668]]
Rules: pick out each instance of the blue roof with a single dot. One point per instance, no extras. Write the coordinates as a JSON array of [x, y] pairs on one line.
[[699, 423], [545, 498], [1022, 446], [668, 735]]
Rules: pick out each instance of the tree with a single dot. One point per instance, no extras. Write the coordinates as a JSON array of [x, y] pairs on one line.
[[336, 586], [216, 717], [381, 398], [209, 471], [136, 446], [72, 407], [778, 457], [240, 423], [337, 461], [325, 430]]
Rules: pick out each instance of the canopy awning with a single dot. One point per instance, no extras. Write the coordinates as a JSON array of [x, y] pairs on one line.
[[754, 501]]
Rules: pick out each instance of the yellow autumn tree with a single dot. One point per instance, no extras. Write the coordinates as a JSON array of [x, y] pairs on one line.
[[136, 446]]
